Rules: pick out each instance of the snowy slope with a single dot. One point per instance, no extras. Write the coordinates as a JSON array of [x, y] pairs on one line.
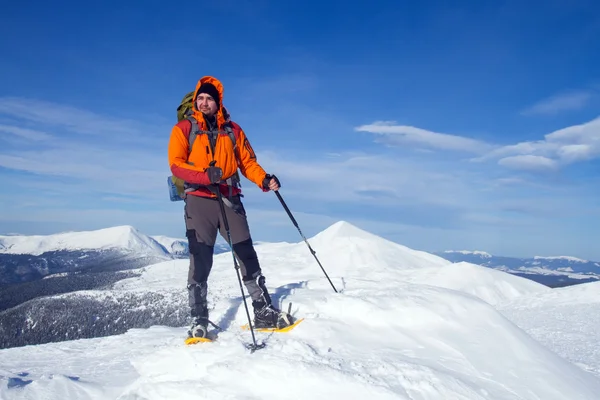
[[489, 285], [119, 237], [375, 258], [395, 331], [174, 246], [566, 320]]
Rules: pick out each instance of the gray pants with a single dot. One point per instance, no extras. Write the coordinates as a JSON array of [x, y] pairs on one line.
[[203, 220]]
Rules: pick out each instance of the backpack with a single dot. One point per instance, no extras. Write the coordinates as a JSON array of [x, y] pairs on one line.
[[178, 187]]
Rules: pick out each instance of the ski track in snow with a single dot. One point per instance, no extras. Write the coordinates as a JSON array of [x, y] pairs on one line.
[[406, 325]]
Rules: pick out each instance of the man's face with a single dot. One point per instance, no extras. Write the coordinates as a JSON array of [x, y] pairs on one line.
[[206, 104]]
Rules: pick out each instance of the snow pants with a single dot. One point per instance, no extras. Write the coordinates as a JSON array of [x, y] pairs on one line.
[[203, 220]]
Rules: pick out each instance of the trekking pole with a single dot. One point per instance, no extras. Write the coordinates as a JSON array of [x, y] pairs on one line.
[[254, 346], [289, 213]]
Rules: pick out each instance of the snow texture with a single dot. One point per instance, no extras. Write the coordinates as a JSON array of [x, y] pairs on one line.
[[120, 237], [172, 245], [563, 319], [405, 325]]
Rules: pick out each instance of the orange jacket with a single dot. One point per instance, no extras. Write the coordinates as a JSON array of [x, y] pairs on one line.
[[192, 170]]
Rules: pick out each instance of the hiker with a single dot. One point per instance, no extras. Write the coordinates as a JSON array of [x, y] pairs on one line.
[[215, 142]]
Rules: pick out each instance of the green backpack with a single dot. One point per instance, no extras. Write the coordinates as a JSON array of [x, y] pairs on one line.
[[185, 110]]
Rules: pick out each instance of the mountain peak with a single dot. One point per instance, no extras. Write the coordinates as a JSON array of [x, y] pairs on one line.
[[124, 237], [343, 229]]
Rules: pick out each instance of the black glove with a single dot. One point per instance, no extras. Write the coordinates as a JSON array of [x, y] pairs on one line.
[[267, 180], [214, 174]]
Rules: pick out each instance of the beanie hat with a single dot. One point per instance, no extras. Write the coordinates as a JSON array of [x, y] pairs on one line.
[[211, 90]]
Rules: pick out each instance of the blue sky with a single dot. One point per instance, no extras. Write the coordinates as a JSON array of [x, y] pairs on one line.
[[471, 125]]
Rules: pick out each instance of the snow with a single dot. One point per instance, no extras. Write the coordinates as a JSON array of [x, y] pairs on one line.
[[476, 252], [563, 319], [405, 325], [173, 245], [120, 237], [490, 285], [557, 272], [567, 258]]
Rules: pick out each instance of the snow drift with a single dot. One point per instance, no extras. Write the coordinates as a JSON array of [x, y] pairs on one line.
[[563, 319]]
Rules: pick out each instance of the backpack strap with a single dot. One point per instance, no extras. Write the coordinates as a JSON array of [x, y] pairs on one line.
[[234, 180], [231, 133], [193, 133]]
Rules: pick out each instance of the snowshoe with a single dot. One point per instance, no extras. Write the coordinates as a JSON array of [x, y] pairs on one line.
[[198, 332], [267, 316]]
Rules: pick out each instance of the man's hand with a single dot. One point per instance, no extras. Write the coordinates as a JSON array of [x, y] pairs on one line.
[[271, 182], [214, 174]]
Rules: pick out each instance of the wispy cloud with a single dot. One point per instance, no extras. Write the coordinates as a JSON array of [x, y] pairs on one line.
[[568, 101], [562, 147], [69, 119], [559, 148], [397, 135], [24, 133], [122, 171], [360, 177], [82, 148], [528, 162]]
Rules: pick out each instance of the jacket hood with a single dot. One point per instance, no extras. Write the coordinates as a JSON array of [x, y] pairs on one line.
[[222, 115]]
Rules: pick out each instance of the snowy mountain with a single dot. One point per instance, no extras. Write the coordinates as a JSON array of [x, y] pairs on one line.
[[552, 271], [94, 313], [27, 258], [120, 237], [404, 325], [176, 247]]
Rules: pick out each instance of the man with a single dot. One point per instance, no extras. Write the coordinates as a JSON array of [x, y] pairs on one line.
[[202, 211]]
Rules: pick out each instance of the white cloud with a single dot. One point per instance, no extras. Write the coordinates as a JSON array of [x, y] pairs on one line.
[[83, 151], [528, 162], [574, 100], [396, 135], [361, 177], [120, 171], [575, 152], [25, 133], [73, 119], [562, 147], [541, 148]]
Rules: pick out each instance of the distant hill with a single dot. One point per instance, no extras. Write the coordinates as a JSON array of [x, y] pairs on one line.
[[550, 271]]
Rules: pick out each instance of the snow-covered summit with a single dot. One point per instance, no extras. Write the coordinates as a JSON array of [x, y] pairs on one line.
[[344, 229], [119, 237], [345, 242]]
